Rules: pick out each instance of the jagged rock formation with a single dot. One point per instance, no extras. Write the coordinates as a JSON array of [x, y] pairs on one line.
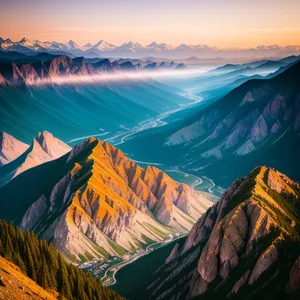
[[10, 148], [45, 147], [245, 246], [131, 49], [37, 73], [96, 202], [243, 120]]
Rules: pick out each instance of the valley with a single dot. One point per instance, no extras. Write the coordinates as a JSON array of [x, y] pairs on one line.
[[118, 138], [136, 167], [235, 130], [175, 267], [149, 150], [109, 269]]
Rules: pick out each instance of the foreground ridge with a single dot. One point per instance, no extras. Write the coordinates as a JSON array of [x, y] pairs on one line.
[[245, 246]]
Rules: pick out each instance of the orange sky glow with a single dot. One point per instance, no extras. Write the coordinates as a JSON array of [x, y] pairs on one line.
[[221, 23]]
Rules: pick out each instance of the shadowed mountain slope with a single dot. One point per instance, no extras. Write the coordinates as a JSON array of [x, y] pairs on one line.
[[245, 247]]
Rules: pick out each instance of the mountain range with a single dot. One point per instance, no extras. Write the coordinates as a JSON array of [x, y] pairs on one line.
[[76, 110], [36, 69], [131, 49], [93, 201], [252, 124], [244, 247]]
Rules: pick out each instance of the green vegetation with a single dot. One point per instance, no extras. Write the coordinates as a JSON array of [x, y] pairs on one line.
[[158, 231], [147, 239], [120, 251], [44, 264]]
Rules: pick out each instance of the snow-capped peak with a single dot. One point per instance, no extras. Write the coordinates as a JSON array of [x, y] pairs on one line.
[[104, 46], [72, 45], [159, 47], [153, 44]]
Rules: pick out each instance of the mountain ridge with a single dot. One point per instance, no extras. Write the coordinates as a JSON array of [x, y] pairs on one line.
[[45, 147], [238, 248], [37, 72], [136, 49], [248, 126], [97, 202]]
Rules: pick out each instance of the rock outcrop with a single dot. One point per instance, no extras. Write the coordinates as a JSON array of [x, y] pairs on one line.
[[293, 283], [238, 247]]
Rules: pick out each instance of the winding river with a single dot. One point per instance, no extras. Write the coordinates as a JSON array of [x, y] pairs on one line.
[[121, 137]]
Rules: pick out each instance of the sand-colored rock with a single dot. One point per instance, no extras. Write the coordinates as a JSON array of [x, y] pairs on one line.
[[45, 147], [10, 148]]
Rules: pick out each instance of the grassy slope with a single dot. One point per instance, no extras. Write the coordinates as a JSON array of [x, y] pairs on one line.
[[19, 286]]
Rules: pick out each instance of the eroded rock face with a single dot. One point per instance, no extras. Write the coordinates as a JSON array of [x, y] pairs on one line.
[[293, 283], [107, 205], [41, 73], [54, 147], [34, 213], [240, 282], [260, 130], [264, 262], [274, 108], [240, 231], [173, 253]]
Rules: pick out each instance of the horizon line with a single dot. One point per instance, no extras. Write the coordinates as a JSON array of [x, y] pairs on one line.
[[158, 43]]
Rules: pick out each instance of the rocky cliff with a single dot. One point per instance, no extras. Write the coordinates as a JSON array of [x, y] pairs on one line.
[[10, 148], [245, 246], [97, 202]]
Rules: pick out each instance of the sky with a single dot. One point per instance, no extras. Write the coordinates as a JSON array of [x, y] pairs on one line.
[[220, 23]]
